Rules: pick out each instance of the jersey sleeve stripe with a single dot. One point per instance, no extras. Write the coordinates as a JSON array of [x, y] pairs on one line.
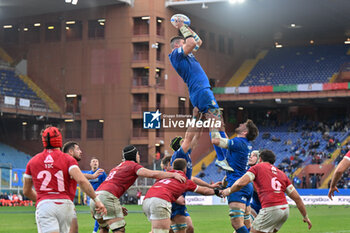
[[251, 175], [137, 173], [348, 158], [27, 176], [196, 189], [73, 166]]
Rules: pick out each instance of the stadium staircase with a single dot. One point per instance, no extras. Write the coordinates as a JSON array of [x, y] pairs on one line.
[[335, 155], [245, 69]]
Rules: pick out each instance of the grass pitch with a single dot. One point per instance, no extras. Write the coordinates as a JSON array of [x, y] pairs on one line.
[[206, 219]]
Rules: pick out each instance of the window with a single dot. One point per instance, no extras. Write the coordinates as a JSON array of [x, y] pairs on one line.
[[31, 33], [141, 51], [53, 32], [182, 105], [160, 53], [11, 34], [141, 26], [212, 41], [203, 34], [96, 29], [160, 27], [73, 103], [137, 128], [140, 77], [230, 46], [159, 78], [94, 129], [74, 30], [221, 44], [73, 129], [140, 102]]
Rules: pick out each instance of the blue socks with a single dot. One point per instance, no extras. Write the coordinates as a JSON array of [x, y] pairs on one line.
[[242, 230]]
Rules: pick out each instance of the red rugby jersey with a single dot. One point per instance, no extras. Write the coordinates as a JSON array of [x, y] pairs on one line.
[[271, 184], [120, 178], [49, 171], [171, 189]]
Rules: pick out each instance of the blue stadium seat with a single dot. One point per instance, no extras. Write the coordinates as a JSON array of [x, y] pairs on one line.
[[297, 65]]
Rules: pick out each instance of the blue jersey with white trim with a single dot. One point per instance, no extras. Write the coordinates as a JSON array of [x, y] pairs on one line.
[[180, 154], [189, 70], [238, 152], [95, 183]]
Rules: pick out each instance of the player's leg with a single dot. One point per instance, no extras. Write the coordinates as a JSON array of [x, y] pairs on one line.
[[247, 218], [158, 211], [96, 226], [270, 219], [190, 228], [178, 224], [237, 210], [74, 225], [114, 219], [45, 218]]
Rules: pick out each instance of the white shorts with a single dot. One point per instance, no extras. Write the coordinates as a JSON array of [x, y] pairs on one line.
[[112, 204], [54, 215], [156, 208], [271, 218]]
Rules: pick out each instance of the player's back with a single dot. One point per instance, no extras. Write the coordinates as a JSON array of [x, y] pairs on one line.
[[120, 178], [50, 174], [180, 154], [271, 184], [170, 189], [189, 70]]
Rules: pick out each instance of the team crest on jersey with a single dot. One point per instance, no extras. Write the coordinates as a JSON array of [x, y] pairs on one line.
[[48, 159], [250, 147]]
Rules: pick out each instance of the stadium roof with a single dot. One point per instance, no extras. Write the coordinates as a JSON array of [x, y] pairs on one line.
[[20, 8], [259, 18]]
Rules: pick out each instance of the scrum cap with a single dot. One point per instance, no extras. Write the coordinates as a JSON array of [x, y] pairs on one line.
[[130, 152], [52, 138]]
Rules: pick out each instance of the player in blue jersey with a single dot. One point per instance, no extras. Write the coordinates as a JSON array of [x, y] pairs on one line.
[[182, 149], [255, 203], [94, 164], [238, 151], [189, 69]]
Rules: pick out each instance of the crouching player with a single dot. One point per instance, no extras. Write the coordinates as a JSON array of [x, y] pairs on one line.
[[271, 184], [157, 202]]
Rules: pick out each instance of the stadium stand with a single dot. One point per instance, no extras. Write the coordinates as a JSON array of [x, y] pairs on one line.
[[9, 155], [12, 85], [298, 65], [296, 144]]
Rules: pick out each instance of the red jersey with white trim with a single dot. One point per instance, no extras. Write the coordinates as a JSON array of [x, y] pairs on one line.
[[270, 183], [120, 178], [171, 189], [347, 156], [49, 171]]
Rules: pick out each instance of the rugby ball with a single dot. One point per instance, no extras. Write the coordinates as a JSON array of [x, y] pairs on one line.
[[180, 17]]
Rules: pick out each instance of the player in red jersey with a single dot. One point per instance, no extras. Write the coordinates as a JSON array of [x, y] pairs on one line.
[[117, 183], [52, 173], [341, 168], [271, 184], [157, 202], [73, 149]]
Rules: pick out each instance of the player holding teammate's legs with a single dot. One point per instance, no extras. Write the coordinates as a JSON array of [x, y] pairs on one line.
[[189, 69], [181, 220], [117, 183], [55, 175], [157, 202], [238, 151], [271, 184]]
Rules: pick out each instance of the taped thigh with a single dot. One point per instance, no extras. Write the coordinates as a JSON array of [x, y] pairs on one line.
[[236, 213], [178, 227]]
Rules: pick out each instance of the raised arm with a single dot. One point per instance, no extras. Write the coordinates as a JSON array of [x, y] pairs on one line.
[[341, 168], [205, 184], [160, 175]]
